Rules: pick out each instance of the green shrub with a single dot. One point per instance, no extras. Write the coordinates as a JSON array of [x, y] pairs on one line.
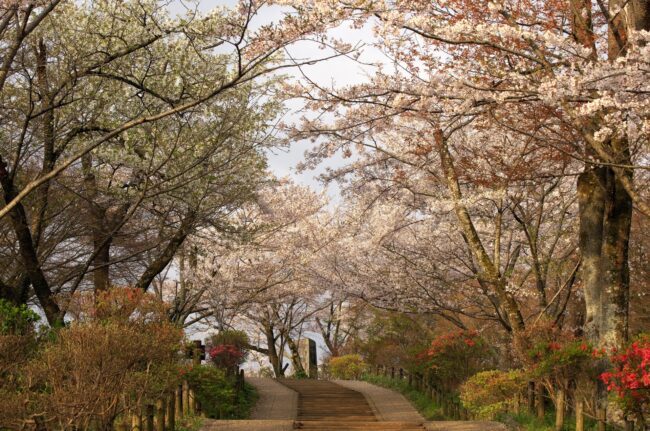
[[217, 394], [16, 320], [347, 367], [489, 393]]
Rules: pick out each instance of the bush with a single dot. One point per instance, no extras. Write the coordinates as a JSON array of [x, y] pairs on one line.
[[231, 337], [16, 320], [217, 393], [453, 357], [228, 349], [629, 378], [17, 346], [120, 354], [347, 367], [226, 356], [489, 393]]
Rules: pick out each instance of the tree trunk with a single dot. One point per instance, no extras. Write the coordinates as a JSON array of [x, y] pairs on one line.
[[274, 358], [295, 357], [161, 262], [27, 252]]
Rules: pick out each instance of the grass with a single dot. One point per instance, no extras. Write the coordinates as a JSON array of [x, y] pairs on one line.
[[189, 423], [247, 400], [521, 422], [528, 422], [423, 404]]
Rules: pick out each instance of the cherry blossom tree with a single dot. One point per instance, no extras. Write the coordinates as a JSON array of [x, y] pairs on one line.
[[104, 105], [563, 82]]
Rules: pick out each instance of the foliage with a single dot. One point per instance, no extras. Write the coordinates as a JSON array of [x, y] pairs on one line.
[[455, 356], [217, 392], [230, 336], [489, 393], [17, 346], [392, 339], [189, 423], [347, 367], [561, 360], [95, 369], [227, 356], [427, 408], [629, 378], [528, 422], [16, 320]]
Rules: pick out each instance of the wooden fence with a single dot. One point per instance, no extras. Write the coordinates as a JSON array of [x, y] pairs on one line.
[[534, 398], [450, 405], [171, 407]]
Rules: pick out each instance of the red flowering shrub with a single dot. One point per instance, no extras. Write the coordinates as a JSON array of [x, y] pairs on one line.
[[560, 361], [227, 356], [455, 356], [629, 378]]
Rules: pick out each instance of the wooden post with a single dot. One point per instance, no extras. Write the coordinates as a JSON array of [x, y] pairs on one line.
[[580, 418], [401, 373], [186, 398], [531, 397], [159, 418], [121, 424], [540, 401], [601, 415], [559, 409], [136, 422], [192, 399], [198, 349], [149, 420], [392, 372], [178, 403], [171, 413]]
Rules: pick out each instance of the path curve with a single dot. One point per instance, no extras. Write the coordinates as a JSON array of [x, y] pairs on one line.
[[275, 409]]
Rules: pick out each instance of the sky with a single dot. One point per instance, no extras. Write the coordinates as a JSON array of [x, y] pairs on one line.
[[338, 72]]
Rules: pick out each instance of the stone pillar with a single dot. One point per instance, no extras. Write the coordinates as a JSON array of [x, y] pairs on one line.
[[307, 349]]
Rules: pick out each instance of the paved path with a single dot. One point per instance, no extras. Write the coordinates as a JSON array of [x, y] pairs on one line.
[[325, 406], [386, 404], [318, 405], [275, 410], [276, 401]]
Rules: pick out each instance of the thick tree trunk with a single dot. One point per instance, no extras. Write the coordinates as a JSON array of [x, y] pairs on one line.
[[605, 220]]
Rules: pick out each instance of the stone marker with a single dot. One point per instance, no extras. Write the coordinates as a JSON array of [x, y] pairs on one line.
[[307, 349]]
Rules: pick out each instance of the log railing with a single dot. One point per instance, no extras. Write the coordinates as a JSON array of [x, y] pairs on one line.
[[170, 408], [535, 396], [450, 405]]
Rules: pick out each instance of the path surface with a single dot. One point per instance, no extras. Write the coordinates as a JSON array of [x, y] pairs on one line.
[[276, 401], [386, 404], [318, 405], [275, 410], [325, 406]]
